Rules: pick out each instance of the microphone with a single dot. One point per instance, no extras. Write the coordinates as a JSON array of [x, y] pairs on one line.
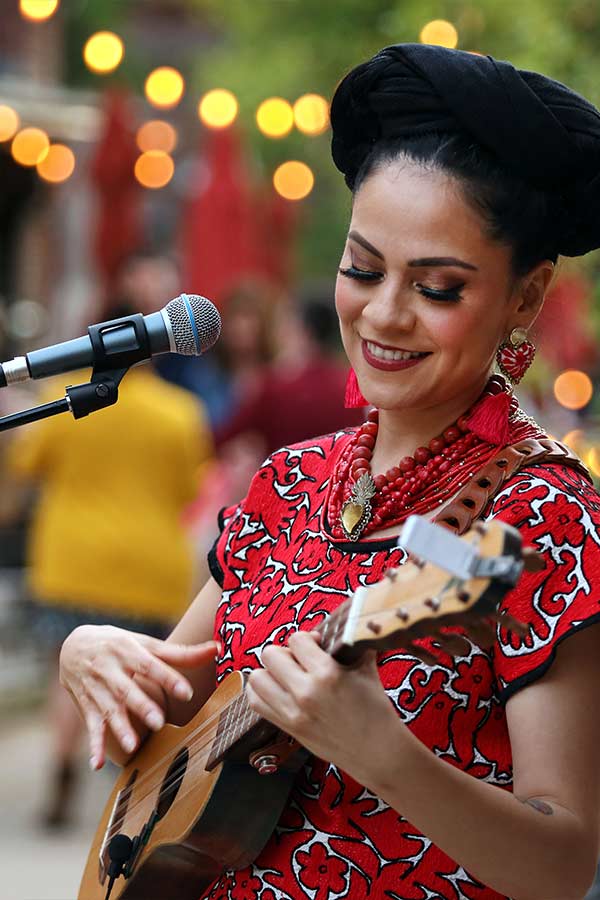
[[188, 325]]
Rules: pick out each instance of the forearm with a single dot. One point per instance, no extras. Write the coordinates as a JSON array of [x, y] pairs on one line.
[[505, 843]]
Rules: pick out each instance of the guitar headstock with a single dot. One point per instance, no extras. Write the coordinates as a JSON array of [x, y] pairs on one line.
[[447, 580]]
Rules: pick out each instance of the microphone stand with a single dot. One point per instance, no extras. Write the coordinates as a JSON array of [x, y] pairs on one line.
[[80, 400]]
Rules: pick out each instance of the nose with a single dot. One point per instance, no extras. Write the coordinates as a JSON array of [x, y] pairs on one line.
[[389, 311]]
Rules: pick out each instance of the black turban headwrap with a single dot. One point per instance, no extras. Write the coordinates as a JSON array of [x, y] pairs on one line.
[[536, 127]]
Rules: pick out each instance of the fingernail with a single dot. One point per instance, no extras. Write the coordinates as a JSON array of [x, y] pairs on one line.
[[129, 744], [93, 763], [183, 691], [154, 720]]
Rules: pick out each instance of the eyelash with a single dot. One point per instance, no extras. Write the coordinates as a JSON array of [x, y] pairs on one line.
[[452, 295]]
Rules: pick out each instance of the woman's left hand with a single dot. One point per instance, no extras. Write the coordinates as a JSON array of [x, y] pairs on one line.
[[340, 714]]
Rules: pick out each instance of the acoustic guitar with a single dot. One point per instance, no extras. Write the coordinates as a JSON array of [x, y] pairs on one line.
[[201, 798]]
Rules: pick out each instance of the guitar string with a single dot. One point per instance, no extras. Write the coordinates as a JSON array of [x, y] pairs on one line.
[[194, 751]]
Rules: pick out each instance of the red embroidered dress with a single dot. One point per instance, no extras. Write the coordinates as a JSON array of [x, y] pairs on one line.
[[281, 572]]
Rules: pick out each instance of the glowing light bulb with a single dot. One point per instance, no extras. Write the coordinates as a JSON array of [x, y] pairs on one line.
[[57, 165], [439, 32], [30, 146], [156, 135], [103, 52], [154, 169], [9, 123], [164, 87], [293, 180], [218, 108], [275, 117], [311, 114], [573, 389], [38, 10]]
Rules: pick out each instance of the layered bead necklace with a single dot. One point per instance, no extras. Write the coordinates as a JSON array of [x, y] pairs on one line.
[[360, 503]]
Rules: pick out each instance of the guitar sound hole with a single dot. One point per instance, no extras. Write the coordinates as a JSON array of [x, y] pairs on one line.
[[171, 783]]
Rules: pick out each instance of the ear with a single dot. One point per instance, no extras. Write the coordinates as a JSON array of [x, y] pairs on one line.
[[530, 294]]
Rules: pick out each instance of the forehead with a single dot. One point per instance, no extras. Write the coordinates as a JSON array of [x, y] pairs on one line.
[[405, 209]]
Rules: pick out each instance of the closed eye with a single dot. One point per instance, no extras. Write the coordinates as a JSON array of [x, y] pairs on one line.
[[360, 274], [452, 295]]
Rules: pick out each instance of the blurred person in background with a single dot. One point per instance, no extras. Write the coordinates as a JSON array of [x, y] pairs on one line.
[[107, 541], [235, 369], [302, 395]]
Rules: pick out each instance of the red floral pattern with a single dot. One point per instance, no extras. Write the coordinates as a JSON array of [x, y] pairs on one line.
[[281, 572]]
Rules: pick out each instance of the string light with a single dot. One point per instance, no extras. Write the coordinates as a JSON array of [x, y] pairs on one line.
[[593, 461], [156, 135], [573, 389], [103, 52], [154, 169], [30, 146], [218, 108], [57, 165], [293, 180], [439, 32], [275, 117], [38, 10], [9, 123], [311, 114], [164, 87]]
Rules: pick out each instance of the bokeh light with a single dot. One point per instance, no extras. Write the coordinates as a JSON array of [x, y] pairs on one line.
[[576, 440], [103, 52], [293, 180], [156, 135], [30, 146], [38, 10], [164, 87], [592, 460], [573, 389], [439, 32], [9, 123], [218, 108], [311, 114], [275, 117], [154, 169], [57, 165]]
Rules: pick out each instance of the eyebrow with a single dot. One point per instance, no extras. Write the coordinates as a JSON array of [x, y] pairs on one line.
[[427, 261]]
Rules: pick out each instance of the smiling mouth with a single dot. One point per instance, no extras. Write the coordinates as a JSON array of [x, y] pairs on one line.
[[387, 353]]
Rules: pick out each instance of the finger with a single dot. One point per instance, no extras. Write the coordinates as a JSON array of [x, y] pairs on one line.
[[270, 691], [308, 653], [261, 708], [96, 733], [114, 716], [185, 655], [283, 666], [144, 662], [128, 693]]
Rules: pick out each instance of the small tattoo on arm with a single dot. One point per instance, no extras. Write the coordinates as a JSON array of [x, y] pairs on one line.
[[540, 805]]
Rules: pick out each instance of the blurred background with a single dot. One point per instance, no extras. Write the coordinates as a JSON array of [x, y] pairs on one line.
[[149, 147]]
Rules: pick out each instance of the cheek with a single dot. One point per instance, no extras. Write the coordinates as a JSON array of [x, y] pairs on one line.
[[347, 303]]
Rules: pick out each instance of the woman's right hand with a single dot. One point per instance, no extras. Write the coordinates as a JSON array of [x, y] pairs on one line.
[[112, 674]]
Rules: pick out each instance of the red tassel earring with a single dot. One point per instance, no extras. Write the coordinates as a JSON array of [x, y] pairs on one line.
[[353, 397], [515, 355]]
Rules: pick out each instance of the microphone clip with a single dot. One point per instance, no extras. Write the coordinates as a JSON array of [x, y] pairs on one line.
[[133, 344], [101, 391]]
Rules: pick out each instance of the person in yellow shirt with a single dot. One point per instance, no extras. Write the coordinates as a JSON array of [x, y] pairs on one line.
[[107, 544]]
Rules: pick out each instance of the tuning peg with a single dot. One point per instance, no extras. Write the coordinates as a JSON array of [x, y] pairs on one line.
[[532, 560]]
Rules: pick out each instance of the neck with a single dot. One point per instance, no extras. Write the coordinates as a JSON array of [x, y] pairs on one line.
[[402, 431]]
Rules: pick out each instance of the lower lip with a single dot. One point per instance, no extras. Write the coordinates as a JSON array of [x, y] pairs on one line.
[[390, 365]]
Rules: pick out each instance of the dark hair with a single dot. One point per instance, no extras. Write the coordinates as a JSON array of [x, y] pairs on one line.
[[516, 213]]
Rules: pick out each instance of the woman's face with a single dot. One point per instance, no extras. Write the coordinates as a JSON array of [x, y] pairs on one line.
[[424, 297]]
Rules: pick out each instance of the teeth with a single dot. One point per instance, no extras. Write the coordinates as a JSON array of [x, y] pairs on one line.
[[395, 355]]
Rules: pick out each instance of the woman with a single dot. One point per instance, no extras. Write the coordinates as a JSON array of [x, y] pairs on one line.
[[468, 179]]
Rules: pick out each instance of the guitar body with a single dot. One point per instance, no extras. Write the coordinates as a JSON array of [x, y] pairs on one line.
[[204, 821]]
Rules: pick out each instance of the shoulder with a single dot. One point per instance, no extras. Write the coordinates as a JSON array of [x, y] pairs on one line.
[[548, 493]]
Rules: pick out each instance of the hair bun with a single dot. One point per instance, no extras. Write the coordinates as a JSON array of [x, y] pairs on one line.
[[537, 127]]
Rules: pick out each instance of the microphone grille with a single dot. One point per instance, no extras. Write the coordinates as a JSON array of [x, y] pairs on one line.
[[195, 323]]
